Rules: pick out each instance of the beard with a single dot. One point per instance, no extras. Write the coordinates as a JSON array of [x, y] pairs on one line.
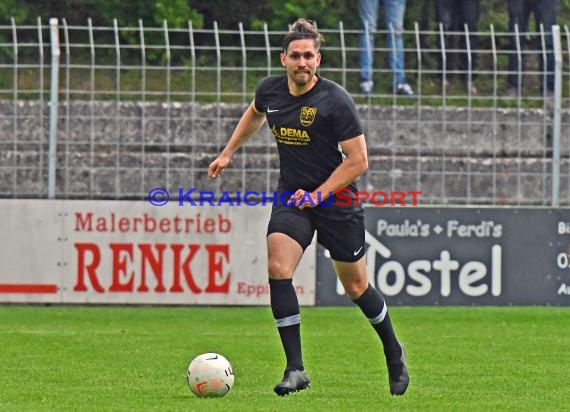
[[302, 78]]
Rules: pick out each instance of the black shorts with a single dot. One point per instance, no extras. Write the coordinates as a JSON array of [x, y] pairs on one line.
[[340, 229]]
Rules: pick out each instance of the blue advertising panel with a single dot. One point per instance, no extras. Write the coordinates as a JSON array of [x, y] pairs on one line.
[[461, 256]]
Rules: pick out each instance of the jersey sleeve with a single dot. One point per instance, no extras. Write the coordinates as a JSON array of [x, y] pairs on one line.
[[346, 119], [260, 94]]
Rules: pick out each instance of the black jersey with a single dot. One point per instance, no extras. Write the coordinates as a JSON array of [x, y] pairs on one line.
[[308, 129]]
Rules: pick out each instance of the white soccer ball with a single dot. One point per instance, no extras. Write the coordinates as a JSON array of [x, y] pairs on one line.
[[210, 375]]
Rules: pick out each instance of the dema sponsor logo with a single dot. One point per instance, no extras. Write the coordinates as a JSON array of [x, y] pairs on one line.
[[291, 136]]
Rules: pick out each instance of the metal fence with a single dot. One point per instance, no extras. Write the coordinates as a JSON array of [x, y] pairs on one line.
[[113, 112]]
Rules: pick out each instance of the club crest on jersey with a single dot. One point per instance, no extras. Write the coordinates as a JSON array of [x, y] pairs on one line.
[[308, 115]]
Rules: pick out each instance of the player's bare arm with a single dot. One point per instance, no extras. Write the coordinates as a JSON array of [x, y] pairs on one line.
[[250, 122], [353, 166]]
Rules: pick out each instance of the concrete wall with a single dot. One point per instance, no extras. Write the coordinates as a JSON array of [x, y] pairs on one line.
[[453, 155]]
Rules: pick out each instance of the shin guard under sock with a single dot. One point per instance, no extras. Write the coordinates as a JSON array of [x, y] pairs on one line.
[[286, 312], [374, 308]]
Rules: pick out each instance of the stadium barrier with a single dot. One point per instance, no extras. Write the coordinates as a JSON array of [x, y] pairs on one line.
[[111, 111], [111, 252], [119, 252]]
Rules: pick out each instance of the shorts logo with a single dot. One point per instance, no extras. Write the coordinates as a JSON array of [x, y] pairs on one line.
[[308, 115]]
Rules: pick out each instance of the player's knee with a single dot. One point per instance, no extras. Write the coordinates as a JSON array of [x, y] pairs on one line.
[[355, 289], [277, 270]]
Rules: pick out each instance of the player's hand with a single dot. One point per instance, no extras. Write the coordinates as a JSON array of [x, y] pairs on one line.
[[217, 167], [303, 199]]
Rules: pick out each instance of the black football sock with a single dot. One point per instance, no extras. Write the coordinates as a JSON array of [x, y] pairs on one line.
[[374, 308], [286, 311]]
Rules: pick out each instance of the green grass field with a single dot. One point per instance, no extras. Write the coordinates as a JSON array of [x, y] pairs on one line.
[[135, 358]]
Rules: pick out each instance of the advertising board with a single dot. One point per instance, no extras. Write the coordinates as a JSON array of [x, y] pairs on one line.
[[462, 256]]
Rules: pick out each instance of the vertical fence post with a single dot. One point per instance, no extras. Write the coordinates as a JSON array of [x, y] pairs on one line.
[[91, 108], [443, 108], [419, 72], [143, 104], [218, 68], [568, 53], [267, 48], [117, 108], [519, 112], [567, 32], [218, 95], [419, 107], [369, 57], [469, 109], [494, 134], [519, 62], [342, 52], [243, 64], [168, 103], [394, 141], [557, 46], [544, 57], [67, 107], [267, 149], [55, 53], [41, 97], [15, 105], [545, 108], [193, 101], [244, 98], [218, 85], [392, 51]]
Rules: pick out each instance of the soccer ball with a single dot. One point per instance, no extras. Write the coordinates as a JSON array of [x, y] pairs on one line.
[[210, 375]]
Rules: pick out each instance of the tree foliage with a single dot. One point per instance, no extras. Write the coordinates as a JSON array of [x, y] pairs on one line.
[[228, 14], [276, 14]]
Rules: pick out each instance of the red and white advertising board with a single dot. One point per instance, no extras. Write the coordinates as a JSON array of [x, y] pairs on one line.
[[119, 252]]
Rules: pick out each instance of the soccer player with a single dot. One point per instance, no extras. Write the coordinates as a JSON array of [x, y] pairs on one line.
[[321, 150]]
